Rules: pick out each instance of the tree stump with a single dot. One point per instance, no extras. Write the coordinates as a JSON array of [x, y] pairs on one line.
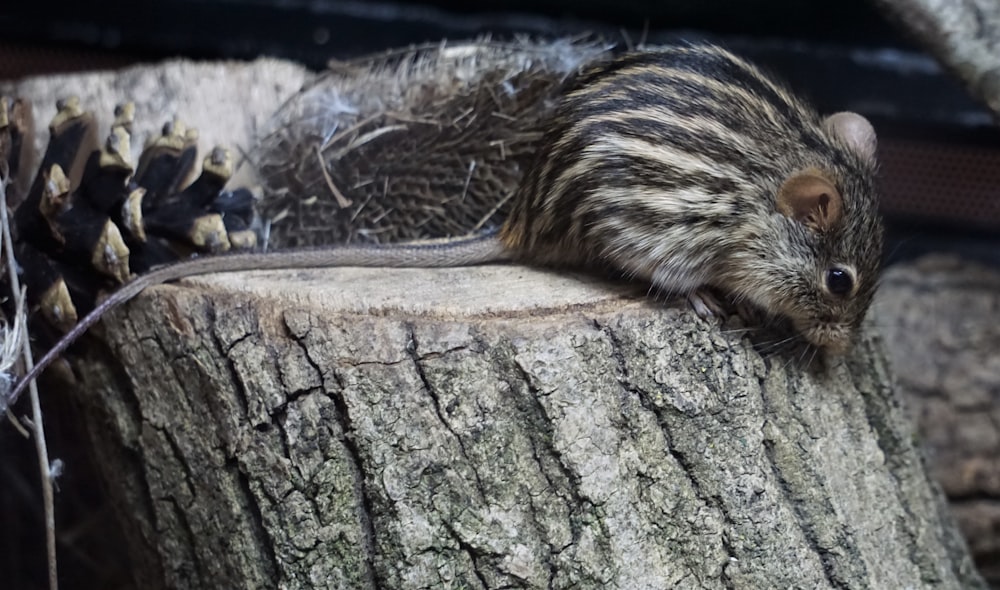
[[496, 427]]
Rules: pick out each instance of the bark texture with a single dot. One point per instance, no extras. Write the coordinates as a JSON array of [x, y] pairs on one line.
[[356, 428], [938, 315], [964, 35]]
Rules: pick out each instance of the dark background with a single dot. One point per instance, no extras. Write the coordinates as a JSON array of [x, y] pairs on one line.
[[842, 54], [312, 30]]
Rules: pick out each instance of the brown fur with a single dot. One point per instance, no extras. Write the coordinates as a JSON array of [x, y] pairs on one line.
[[668, 166]]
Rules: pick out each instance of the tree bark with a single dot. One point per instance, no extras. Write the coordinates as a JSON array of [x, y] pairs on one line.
[[938, 311], [964, 35], [362, 428]]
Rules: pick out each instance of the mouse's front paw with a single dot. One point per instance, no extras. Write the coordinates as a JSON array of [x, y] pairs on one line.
[[706, 304]]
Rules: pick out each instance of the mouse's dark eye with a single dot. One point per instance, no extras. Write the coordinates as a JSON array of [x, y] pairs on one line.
[[839, 281]]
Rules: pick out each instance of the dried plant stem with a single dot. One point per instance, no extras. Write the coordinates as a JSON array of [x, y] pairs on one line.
[[341, 199], [37, 423]]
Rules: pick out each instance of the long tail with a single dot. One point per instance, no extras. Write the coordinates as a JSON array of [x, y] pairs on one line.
[[443, 253]]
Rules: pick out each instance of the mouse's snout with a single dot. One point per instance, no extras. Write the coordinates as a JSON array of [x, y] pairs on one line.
[[832, 336]]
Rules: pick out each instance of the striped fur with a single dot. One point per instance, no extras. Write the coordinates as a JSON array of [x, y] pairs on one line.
[[665, 165]]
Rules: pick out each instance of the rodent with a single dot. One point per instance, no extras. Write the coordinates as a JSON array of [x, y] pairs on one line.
[[687, 167], [691, 168]]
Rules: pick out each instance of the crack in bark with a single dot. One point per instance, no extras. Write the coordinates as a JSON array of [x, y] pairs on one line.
[[543, 425], [878, 406], [440, 353], [181, 460], [263, 540], [189, 548], [111, 357], [242, 397], [578, 504], [642, 396], [727, 583], [535, 423], [282, 436], [227, 349], [363, 502], [415, 359], [619, 357], [849, 552], [804, 523], [473, 552], [225, 352], [134, 457]]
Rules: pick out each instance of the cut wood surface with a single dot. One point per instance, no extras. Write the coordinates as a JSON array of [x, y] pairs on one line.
[[495, 427]]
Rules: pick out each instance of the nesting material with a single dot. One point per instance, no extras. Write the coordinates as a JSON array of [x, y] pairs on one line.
[[424, 142]]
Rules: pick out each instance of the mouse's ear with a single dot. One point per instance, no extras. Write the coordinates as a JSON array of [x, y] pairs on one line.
[[855, 131], [811, 199]]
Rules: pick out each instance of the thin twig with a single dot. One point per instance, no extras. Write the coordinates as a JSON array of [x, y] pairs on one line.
[[12, 419], [343, 201], [468, 179], [10, 357], [489, 214], [41, 448]]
